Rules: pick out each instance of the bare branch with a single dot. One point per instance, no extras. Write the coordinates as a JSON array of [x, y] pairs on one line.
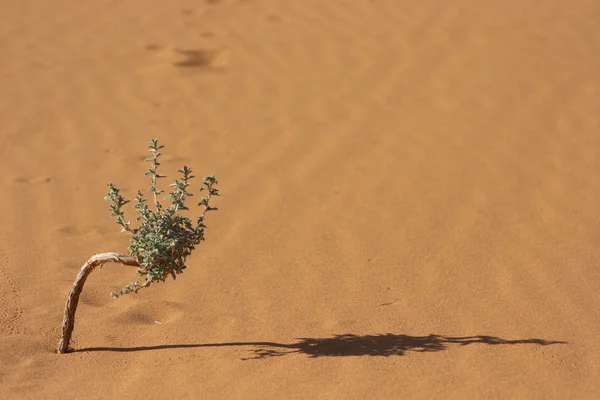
[[72, 301]]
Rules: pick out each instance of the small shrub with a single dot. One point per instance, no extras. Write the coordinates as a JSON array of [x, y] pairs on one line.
[[159, 245]]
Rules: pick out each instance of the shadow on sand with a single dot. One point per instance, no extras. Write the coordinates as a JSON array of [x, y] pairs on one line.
[[345, 345]]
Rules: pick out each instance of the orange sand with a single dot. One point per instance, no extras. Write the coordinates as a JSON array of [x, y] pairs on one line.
[[410, 202]]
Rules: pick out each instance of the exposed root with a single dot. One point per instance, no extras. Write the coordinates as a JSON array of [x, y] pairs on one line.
[[69, 317]]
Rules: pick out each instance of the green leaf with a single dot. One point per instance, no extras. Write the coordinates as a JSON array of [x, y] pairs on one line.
[[163, 239]]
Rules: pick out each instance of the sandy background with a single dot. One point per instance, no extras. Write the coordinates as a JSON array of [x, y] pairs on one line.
[[410, 198]]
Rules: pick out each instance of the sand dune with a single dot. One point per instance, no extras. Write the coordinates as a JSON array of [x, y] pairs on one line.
[[410, 198]]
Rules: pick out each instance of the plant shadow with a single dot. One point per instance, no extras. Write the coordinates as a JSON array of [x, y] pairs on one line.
[[384, 345]]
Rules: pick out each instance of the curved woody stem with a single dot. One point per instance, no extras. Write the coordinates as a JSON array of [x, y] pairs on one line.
[[69, 317]]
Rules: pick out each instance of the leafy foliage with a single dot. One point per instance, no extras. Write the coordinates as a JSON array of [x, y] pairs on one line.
[[164, 238]]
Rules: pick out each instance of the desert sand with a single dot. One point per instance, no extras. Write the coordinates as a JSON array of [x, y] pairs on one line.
[[410, 198]]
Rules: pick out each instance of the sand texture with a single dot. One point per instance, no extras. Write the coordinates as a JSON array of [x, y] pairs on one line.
[[410, 197]]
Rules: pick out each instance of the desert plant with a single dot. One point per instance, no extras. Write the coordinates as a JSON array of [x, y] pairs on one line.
[[161, 243]]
